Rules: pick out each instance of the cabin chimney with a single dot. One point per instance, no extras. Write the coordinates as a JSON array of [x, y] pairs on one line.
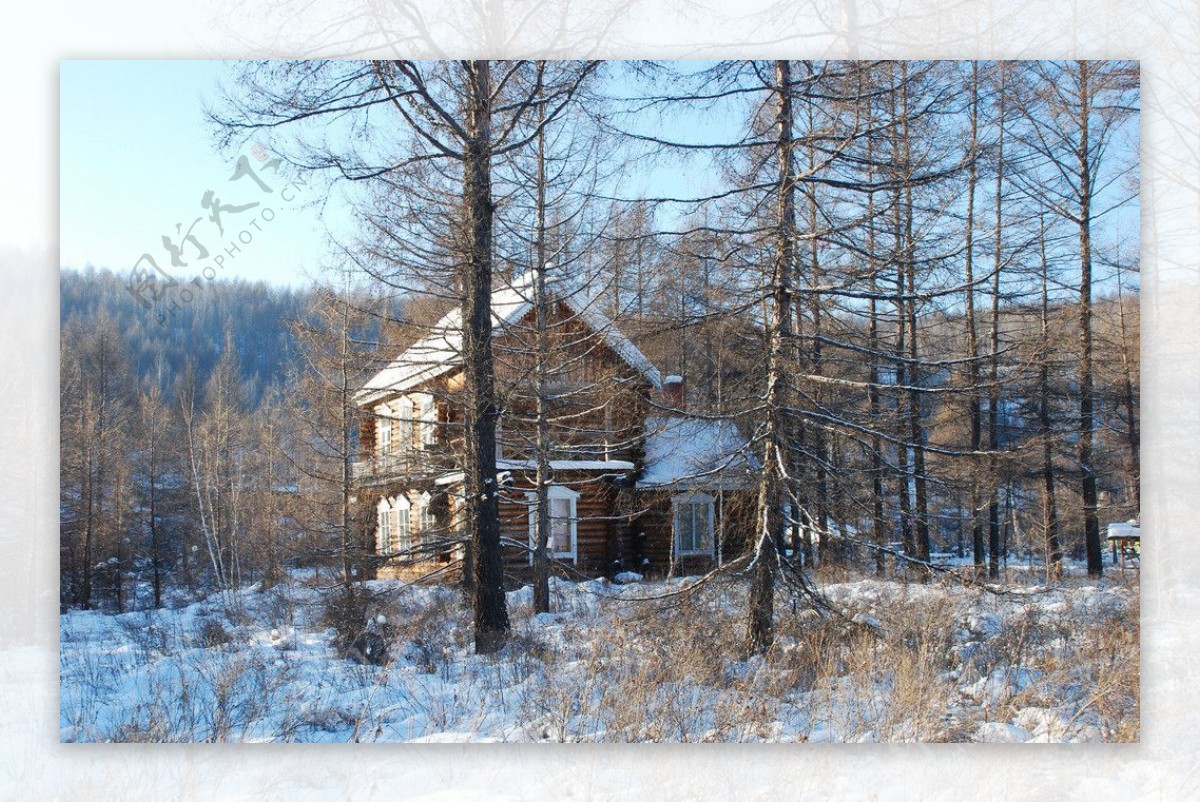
[[673, 392]]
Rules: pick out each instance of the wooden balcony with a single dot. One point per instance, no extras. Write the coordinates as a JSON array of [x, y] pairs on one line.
[[384, 468]]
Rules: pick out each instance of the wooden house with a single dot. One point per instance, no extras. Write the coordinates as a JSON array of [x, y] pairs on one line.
[[637, 484]]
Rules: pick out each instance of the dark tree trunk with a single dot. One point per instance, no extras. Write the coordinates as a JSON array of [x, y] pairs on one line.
[[904, 480], [482, 496], [1087, 468], [155, 544], [878, 523], [994, 546], [347, 413], [541, 561]]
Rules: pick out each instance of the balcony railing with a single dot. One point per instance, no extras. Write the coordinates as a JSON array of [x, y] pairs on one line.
[[432, 458], [384, 467]]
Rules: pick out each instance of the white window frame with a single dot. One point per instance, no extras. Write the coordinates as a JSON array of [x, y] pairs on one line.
[[428, 421], [402, 526], [556, 492], [385, 430], [693, 500], [405, 416], [383, 527], [425, 517]]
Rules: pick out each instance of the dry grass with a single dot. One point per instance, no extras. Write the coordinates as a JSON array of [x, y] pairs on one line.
[[897, 663]]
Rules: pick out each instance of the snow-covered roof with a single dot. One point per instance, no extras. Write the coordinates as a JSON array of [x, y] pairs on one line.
[[686, 452], [1127, 529], [440, 351]]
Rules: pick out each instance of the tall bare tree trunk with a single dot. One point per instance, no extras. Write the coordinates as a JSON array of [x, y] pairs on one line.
[[481, 413], [1054, 554], [878, 523], [1129, 402], [978, 549], [769, 520], [1087, 468], [819, 441], [994, 550], [542, 524], [916, 429], [347, 413], [900, 249]]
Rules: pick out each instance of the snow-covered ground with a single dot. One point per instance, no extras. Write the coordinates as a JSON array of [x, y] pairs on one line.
[[899, 662]]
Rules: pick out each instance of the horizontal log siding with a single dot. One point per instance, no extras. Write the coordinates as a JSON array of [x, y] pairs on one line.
[[654, 531], [595, 532]]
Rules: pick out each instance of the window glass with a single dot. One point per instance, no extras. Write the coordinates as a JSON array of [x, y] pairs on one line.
[[385, 434], [405, 425], [560, 524], [563, 522], [428, 521], [693, 523], [384, 541], [428, 419]]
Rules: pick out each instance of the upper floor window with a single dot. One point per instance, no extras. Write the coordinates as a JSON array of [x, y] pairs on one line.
[[402, 531], [693, 524], [394, 533], [383, 531], [385, 431], [405, 424], [428, 421]]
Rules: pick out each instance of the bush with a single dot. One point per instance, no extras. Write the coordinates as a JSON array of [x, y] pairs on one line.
[[362, 632], [214, 634]]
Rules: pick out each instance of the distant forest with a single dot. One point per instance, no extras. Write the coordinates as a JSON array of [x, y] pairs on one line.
[[253, 317]]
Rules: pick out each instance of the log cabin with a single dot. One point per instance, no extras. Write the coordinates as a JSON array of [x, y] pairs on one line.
[[637, 484]]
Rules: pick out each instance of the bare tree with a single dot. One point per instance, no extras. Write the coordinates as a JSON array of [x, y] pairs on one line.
[[215, 431], [1050, 523], [768, 535], [155, 466], [94, 411], [336, 353], [1076, 113], [452, 120]]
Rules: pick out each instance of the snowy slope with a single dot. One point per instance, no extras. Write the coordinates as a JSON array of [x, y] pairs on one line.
[[907, 662]]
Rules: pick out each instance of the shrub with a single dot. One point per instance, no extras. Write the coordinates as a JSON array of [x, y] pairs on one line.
[[214, 634], [361, 633]]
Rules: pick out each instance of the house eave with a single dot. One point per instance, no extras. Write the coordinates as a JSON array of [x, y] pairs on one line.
[[597, 468], [700, 485]]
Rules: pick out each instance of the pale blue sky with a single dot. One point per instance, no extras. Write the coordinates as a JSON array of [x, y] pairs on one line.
[[136, 159]]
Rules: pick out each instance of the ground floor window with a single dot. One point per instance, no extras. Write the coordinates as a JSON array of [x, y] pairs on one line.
[[693, 524], [427, 517], [402, 531], [383, 530], [563, 523], [394, 533]]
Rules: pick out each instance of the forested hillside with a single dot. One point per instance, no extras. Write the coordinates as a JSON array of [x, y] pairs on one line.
[[254, 317]]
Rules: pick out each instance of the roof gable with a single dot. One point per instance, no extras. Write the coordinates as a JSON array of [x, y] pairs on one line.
[[440, 351]]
